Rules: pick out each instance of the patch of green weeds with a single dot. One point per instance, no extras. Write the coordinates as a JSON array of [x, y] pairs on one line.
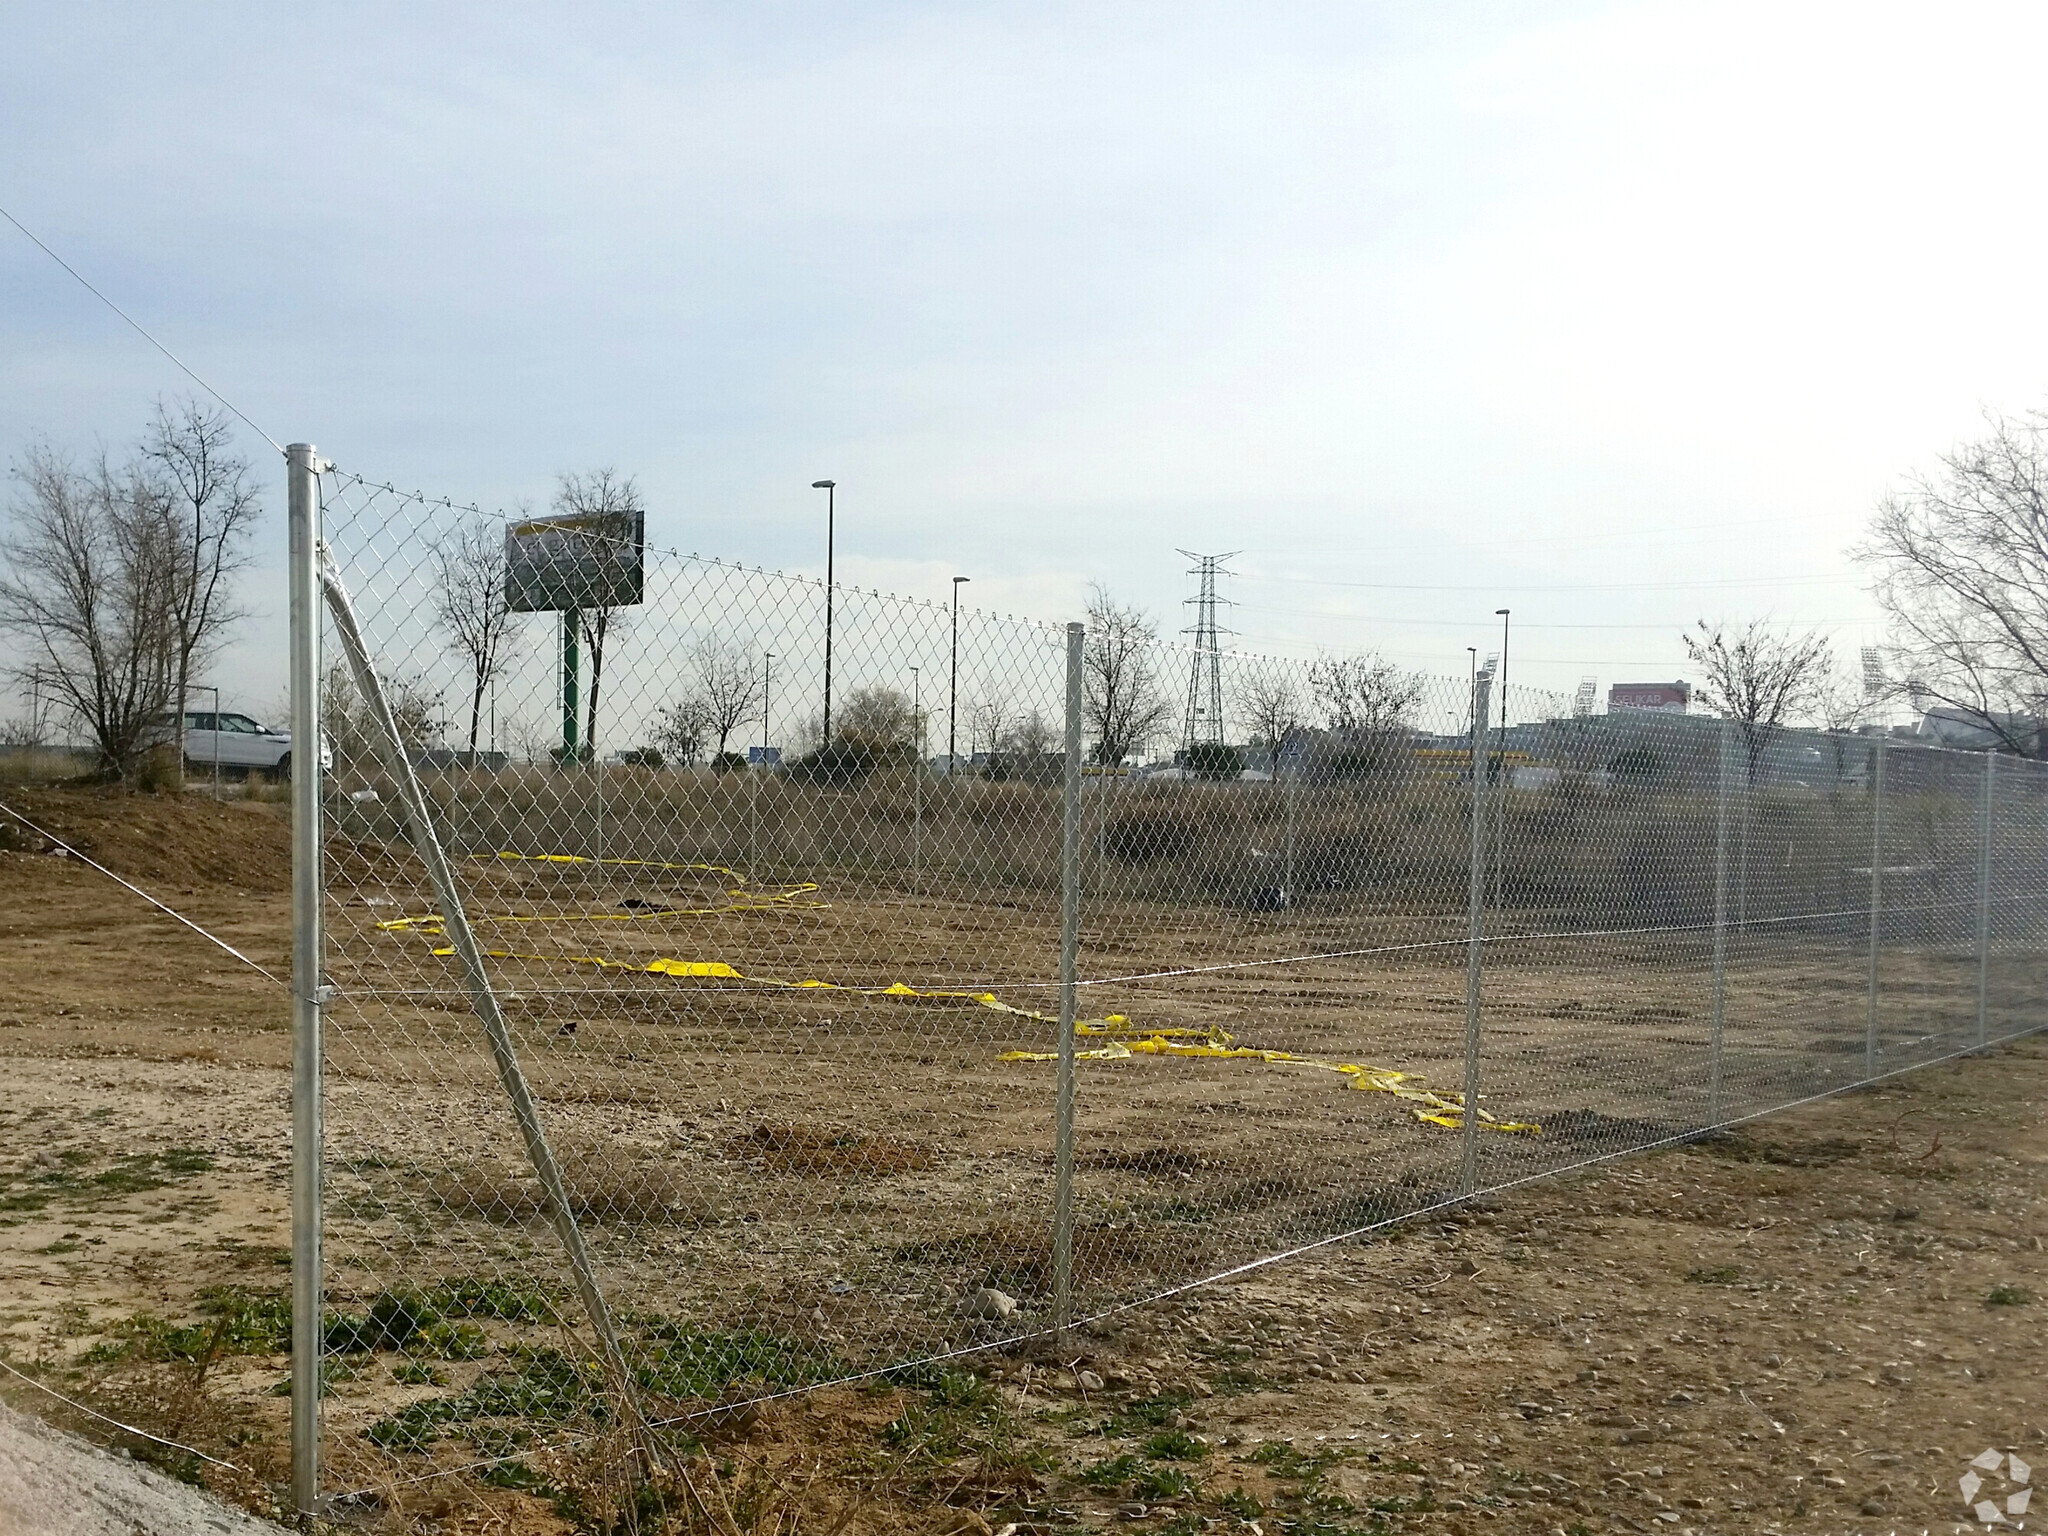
[[1241, 1504], [417, 1373], [1164, 1483], [1718, 1274], [129, 1175], [398, 1319], [549, 1386], [514, 1474], [2008, 1296], [331, 1371], [455, 1341], [236, 1321], [506, 1301], [1282, 1459], [678, 1360], [1112, 1474], [1175, 1445], [143, 1171], [497, 1440]]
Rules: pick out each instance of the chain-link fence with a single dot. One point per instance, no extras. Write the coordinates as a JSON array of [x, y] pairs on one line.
[[694, 1026]]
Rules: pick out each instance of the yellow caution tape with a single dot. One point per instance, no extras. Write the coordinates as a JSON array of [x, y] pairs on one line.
[[1432, 1108], [743, 898], [1124, 1039]]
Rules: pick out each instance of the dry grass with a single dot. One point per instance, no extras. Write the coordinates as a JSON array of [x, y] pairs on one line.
[[606, 1186], [1017, 1255], [806, 1149]]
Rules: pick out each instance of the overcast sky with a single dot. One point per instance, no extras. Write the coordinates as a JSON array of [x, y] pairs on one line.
[[1621, 315]]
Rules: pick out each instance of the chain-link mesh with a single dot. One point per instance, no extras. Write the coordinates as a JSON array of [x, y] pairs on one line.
[[785, 997]]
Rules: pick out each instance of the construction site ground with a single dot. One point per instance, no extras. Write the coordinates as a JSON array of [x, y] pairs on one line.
[[1810, 1324]]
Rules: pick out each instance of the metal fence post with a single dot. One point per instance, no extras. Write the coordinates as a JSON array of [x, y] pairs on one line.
[[1984, 903], [1070, 953], [302, 495], [1289, 789], [1714, 1069], [1876, 901], [1475, 904], [484, 999]]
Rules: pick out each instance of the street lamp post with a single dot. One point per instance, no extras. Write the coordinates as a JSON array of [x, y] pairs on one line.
[[953, 686], [829, 487], [1472, 713], [917, 784], [216, 740], [1500, 812]]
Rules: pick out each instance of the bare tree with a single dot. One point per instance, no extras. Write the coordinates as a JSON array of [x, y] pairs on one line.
[[729, 687], [1269, 702], [1363, 693], [88, 591], [679, 730], [1961, 565], [469, 601], [988, 718], [1762, 679], [1759, 677], [1122, 702], [208, 503], [1032, 736], [352, 730], [598, 492], [1843, 703]]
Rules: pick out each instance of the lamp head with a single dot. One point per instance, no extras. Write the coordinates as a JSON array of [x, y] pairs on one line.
[[958, 579], [823, 485]]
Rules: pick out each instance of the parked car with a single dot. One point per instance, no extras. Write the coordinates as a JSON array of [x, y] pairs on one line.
[[238, 743]]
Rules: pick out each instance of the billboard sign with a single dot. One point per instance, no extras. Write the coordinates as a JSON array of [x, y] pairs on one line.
[[577, 560], [1669, 697], [765, 757]]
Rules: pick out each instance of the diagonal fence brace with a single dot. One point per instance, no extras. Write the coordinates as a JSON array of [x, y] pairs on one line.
[[481, 995]]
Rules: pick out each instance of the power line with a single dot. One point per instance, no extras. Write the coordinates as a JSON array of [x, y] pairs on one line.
[[1576, 586], [141, 331]]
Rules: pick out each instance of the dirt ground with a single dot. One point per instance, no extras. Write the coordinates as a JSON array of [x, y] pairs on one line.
[[1809, 1325]]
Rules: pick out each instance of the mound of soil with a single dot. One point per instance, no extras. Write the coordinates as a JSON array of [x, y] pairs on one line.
[[161, 840]]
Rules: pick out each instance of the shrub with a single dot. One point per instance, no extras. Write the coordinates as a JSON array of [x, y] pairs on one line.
[[728, 762], [1213, 760], [840, 764], [1144, 833]]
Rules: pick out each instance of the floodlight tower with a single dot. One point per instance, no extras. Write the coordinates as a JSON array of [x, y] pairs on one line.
[[1204, 722]]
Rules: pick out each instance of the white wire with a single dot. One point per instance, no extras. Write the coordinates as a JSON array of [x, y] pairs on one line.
[[211, 938], [141, 331], [72, 1402]]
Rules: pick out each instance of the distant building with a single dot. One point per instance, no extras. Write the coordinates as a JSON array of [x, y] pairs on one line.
[[1671, 698], [1979, 731]]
